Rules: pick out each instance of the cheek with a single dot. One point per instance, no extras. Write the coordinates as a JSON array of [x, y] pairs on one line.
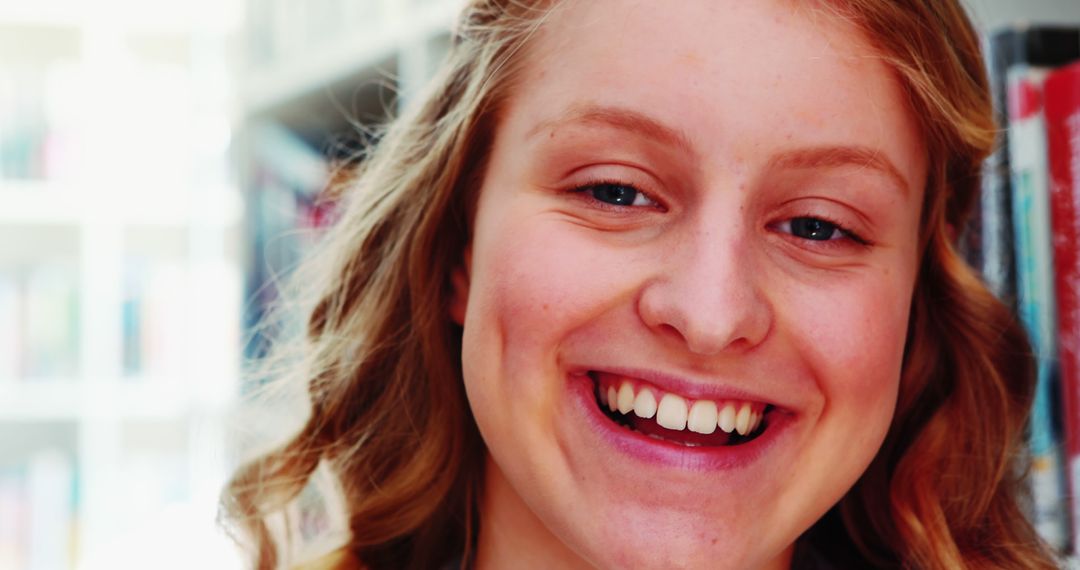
[[850, 339], [854, 334], [534, 282]]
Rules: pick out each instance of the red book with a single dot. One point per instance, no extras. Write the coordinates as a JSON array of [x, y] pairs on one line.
[[1062, 107]]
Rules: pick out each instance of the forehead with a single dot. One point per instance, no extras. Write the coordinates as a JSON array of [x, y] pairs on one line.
[[735, 79]]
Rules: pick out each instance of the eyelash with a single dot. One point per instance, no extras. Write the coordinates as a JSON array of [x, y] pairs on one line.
[[593, 185], [846, 232]]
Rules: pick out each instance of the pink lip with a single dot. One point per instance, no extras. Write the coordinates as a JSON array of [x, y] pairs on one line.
[[668, 454]]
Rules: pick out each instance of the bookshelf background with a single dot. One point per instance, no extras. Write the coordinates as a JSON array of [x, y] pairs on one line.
[[119, 282], [308, 85], [159, 173]]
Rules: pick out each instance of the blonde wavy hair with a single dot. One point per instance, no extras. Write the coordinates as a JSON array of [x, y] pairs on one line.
[[388, 413]]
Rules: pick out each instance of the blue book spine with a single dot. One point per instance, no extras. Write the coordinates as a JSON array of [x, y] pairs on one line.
[[1035, 292]]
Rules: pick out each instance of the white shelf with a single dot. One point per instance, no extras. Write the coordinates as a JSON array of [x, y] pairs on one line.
[[138, 225], [40, 202], [51, 13], [137, 16], [45, 400], [304, 72], [43, 202]]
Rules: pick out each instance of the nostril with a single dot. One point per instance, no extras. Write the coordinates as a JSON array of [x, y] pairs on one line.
[[704, 336], [671, 330]]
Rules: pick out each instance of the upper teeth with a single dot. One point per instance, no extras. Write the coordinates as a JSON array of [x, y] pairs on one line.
[[677, 413]]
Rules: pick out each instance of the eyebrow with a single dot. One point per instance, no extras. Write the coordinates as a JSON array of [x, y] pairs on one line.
[[802, 158], [621, 119], [840, 156]]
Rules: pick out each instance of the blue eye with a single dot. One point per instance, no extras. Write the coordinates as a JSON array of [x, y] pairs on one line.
[[618, 194], [815, 229], [819, 230]]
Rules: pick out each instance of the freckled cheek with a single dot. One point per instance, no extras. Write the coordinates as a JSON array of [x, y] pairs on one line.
[[855, 338], [539, 283]]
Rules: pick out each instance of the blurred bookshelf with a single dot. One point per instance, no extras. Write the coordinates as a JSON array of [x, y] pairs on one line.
[[296, 51], [314, 78], [119, 282], [156, 170]]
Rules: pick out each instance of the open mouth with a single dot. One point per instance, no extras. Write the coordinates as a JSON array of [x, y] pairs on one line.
[[673, 418]]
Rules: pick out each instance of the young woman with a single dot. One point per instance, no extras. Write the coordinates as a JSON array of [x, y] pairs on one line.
[[670, 284]]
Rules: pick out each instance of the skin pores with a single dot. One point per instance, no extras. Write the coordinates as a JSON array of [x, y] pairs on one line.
[[717, 200]]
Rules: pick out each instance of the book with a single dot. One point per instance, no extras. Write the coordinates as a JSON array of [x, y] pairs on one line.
[[49, 328], [50, 484], [1013, 248], [13, 513], [37, 135], [10, 338], [1062, 108], [989, 243], [154, 318], [287, 212], [1035, 292], [37, 511]]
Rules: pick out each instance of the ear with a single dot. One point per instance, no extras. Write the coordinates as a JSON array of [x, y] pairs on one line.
[[459, 287]]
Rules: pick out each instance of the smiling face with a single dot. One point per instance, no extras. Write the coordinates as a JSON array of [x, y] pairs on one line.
[[699, 221]]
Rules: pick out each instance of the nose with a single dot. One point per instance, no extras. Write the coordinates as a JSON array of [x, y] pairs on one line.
[[708, 295]]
